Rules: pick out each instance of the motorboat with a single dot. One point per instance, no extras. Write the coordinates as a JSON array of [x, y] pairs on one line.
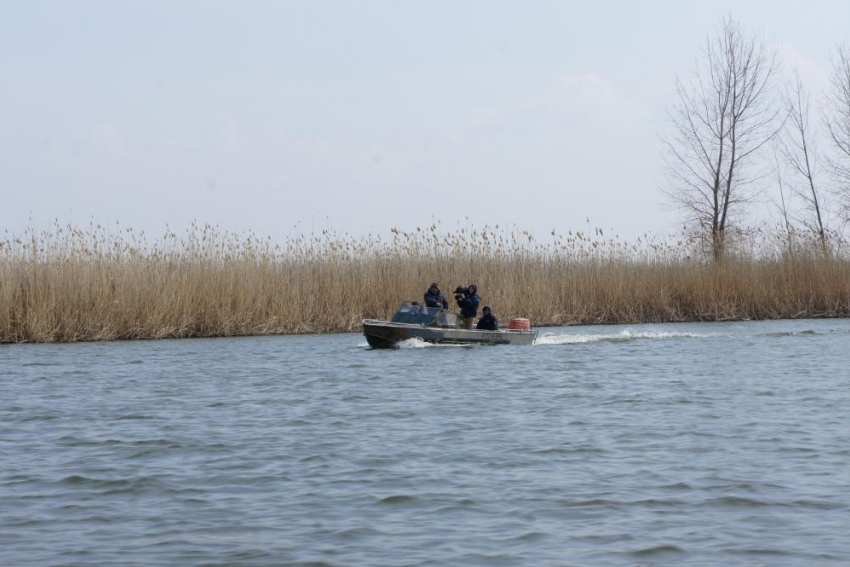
[[440, 326]]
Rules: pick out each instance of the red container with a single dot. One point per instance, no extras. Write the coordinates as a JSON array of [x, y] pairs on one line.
[[519, 324]]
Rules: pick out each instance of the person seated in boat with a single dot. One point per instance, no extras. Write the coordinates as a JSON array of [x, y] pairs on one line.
[[468, 301], [434, 298], [488, 321]]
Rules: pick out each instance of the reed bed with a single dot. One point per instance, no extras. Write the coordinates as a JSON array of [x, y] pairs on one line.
[[98, 283]]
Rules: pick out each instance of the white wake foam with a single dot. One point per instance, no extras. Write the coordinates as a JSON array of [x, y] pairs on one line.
[[419, 343], [414, 343], [625, 335]]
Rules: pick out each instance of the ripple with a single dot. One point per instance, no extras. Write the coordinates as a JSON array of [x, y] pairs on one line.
[[531, 537], [736, 502], [40, 417], [593, 502], [677, 486], [642, 448], [656, 550], [112, 486], [357, 533], [134, 416], [399, 500], [820, 504]]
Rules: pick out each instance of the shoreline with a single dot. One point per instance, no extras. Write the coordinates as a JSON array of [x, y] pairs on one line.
[[68, 285], [360, 330]]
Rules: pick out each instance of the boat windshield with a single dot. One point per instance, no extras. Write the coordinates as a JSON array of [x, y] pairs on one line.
[[428, 316]]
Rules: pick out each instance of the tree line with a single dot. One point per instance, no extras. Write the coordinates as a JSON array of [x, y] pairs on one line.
[[741, 127]]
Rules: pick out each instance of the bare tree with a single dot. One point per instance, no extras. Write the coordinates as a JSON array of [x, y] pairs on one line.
[[836, 114], [784, 206], [799, 148], [723, 116]]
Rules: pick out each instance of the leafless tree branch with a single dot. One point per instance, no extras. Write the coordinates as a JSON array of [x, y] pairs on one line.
[[722, 119], [798, 146], [835, 112]]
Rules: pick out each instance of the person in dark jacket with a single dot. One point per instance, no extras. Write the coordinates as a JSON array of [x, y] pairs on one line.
[[433, 297], [468, 302], [488, 321]]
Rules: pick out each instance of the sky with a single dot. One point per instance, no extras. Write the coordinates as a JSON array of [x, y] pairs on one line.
[[286, 117]]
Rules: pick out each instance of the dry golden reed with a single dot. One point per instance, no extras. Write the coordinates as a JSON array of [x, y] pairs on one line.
[[70, 284]]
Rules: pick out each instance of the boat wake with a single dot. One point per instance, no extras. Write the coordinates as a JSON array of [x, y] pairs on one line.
[[419, 343], [623, 336], [626, 335], [630, 335], [416, 343]]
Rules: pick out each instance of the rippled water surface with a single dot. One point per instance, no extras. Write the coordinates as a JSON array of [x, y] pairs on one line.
[[692, 444]]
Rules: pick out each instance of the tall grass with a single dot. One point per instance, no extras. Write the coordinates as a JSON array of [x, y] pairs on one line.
[[72, 284]]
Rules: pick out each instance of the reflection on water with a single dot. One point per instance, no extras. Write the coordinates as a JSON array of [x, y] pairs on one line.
[[692, 444]]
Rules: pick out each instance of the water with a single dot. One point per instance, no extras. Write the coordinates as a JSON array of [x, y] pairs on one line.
[[693, 444]]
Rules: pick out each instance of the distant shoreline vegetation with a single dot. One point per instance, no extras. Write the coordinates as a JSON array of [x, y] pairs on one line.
[[69, 284]]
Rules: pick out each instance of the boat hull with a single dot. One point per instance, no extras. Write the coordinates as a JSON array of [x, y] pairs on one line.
[[385, 334]]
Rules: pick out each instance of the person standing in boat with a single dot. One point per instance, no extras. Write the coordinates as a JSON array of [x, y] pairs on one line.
[[488, 321], [434, 298], [468, 301]]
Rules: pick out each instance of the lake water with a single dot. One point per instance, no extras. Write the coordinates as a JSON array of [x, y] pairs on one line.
[[680, 444]]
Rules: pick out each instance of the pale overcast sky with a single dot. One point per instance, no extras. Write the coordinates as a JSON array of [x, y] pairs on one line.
[[358, 116]]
